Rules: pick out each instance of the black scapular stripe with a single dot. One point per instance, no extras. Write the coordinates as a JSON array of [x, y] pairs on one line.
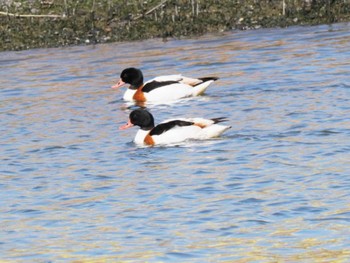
[[157, 84], [163, 127]]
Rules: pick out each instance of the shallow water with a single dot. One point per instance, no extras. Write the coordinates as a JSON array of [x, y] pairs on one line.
[[274, 188]]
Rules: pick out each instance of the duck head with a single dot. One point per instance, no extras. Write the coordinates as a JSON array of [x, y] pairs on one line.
[[141, 118], [132, 76]]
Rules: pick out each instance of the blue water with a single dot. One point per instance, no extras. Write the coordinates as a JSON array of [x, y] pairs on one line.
[[274, 188]]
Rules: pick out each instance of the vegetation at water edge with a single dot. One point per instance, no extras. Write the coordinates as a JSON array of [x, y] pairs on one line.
[[51, 23]]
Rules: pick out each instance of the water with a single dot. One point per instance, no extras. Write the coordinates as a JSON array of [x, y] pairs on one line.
[[274, 188]]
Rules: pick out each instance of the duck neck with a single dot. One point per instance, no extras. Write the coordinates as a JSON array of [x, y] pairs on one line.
[[136, 84], [134, 87]]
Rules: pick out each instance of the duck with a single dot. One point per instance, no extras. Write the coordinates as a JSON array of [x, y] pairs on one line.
[[172, 131], [160, 89]]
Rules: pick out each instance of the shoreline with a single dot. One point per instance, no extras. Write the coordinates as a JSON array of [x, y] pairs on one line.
[[47, 23]]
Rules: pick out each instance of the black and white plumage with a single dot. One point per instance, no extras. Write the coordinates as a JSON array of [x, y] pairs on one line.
[[162, 88], [173, 131]]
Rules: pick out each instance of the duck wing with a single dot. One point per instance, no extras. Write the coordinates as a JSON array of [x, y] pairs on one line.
[[166, 126], [149, 86]]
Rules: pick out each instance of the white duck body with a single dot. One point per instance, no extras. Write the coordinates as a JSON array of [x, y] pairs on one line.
[[202, 129], [129, 93], [185, 87], [175, 91]]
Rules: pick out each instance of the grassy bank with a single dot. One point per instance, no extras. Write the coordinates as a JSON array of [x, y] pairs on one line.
[[51, 23]]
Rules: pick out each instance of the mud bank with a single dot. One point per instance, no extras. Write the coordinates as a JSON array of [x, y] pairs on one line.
[[53, 23]]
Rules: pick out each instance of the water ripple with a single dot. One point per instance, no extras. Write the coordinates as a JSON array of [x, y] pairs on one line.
[[275, 186]]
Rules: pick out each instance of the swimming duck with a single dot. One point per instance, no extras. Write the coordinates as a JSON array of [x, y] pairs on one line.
[[162, 88], [172, 131]]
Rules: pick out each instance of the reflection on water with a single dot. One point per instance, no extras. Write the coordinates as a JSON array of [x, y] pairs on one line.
[[273, 188]]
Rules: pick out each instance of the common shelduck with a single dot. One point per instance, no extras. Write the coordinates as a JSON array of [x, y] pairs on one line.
[[172, 131], [161, 89]]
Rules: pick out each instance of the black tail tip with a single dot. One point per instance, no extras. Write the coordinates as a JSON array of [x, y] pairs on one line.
[[209, 78], [220, 119]]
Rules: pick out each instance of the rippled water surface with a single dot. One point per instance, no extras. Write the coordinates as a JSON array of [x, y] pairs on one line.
[[274, 188]]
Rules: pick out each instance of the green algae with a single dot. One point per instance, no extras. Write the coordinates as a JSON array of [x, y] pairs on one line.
[[53, 23]]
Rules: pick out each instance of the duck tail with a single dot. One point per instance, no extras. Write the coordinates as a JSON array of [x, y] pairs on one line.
[[220, 119], [205, 79], [201, 87]]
